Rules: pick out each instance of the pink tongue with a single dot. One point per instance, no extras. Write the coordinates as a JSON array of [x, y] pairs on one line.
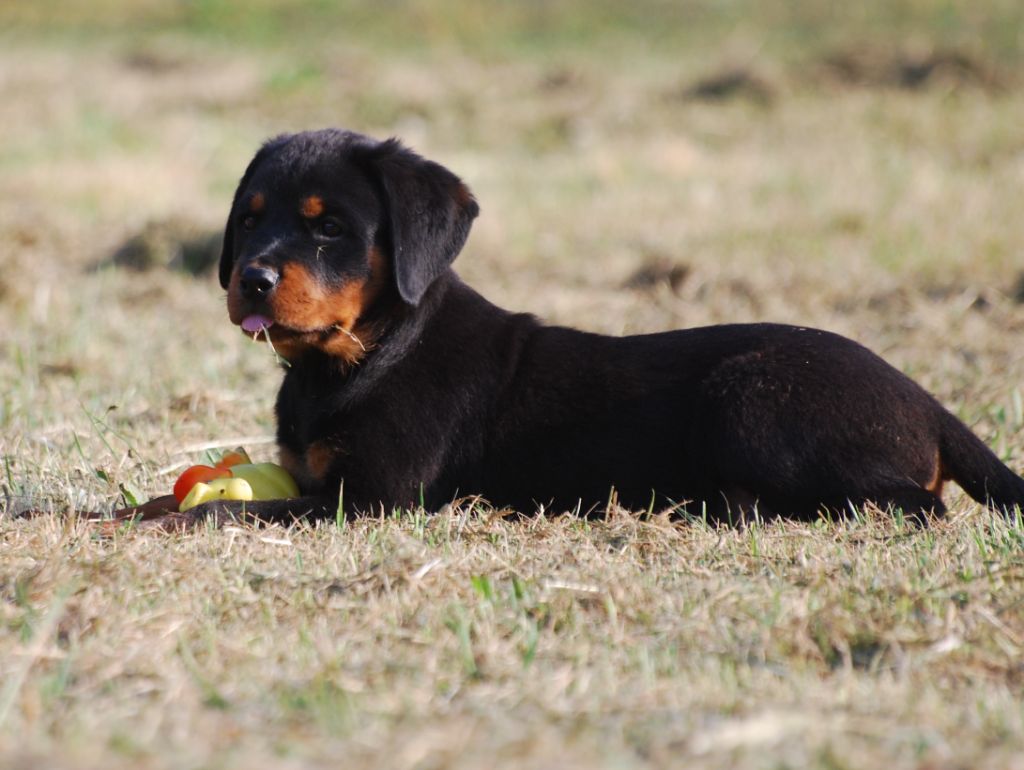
[[254, 323]]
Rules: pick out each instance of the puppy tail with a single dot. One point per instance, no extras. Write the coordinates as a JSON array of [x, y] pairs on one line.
[[966, 460]]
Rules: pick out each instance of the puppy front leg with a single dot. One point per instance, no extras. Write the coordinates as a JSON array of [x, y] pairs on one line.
[[259, 512]]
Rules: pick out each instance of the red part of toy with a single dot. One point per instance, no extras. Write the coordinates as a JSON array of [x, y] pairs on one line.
[[196, 474], [235, 457]]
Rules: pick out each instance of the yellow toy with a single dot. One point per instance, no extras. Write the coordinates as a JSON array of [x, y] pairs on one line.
[[231, 479]]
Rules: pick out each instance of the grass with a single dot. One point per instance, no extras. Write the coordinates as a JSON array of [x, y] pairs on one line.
[[452, 638], [855, 202]]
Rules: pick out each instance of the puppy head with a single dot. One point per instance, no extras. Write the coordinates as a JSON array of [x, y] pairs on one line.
[[325, 225]]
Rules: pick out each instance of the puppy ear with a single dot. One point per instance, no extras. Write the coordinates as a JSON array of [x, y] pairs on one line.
[[430, 212], [227, 253]]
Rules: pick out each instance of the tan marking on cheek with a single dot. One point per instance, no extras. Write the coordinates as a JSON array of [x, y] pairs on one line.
[[348, 342], [299, 301], [257, 203], [353, 300], [312, 207]]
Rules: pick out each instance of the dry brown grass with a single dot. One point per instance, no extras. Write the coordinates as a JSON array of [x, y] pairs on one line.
[[467, 639], [463, 640]]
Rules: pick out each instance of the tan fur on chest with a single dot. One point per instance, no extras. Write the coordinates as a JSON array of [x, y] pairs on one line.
[[311, 468]]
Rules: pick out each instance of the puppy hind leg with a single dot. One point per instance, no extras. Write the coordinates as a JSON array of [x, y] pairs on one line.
[[915, 503]]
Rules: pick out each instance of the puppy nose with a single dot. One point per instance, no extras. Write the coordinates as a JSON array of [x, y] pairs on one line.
[[258, 282]]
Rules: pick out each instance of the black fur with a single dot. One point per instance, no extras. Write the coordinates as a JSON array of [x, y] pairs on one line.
[[228, 249], [459, 397], [428, 222]]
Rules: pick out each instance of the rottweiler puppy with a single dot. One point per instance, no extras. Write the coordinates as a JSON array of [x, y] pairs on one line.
[[403, 386]]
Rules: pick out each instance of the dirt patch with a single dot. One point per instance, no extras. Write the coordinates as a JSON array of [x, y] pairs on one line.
[[169, 244], [732, 82], [906, 69], [1017, 292], [910, 69], [658, 271]]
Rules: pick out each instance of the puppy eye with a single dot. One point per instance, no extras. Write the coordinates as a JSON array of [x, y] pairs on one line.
[[249, 222], [330, 229]]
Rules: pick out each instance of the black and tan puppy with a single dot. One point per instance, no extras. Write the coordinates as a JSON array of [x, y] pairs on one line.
[[405, 386]]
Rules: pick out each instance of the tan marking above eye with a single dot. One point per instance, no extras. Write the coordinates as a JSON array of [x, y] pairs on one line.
[[257, 202], [312, 206], [463, 196]]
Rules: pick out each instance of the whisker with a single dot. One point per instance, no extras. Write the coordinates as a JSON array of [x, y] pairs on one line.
[[270, 343], [351, 336]]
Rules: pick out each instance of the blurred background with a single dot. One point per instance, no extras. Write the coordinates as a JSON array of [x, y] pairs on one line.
[[640, 166]]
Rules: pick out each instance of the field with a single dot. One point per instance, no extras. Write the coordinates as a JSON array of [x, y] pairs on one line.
[[640, 167]]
